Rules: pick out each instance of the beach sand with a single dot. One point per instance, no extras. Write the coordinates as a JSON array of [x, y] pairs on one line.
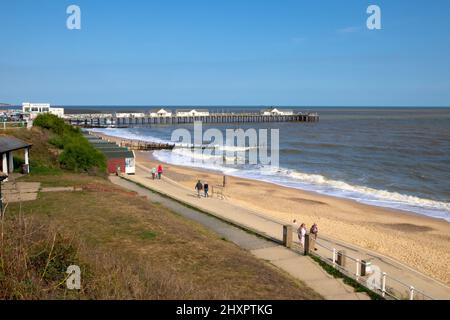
[[418, 241]]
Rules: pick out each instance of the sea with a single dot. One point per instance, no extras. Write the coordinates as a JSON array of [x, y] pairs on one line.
[[397, 158]]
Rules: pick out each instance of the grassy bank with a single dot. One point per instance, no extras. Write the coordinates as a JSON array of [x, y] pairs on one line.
[[126, 246]]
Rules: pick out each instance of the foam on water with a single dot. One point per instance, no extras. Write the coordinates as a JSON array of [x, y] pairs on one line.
[[289, 177], [312, 182]]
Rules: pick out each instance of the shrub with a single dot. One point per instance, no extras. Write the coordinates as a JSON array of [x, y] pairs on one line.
[[78, 154], [81, 156]]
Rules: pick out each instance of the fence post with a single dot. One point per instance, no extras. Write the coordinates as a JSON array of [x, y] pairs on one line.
[[358, 269], [334, 257], [383, 285], [341, 258], [310, 243], [411, 293], [287, 236]]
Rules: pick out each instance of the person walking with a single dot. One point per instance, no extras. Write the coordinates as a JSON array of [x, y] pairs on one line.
[[160, 171], [153, 173], [206, 189], [199, 188], [302, 234], [314, 231]]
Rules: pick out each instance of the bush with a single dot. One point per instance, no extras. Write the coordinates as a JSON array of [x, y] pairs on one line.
[[55, 124], [81, 156], [78, 154]]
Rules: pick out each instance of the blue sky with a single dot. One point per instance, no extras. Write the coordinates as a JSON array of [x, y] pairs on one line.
[[227, 52]]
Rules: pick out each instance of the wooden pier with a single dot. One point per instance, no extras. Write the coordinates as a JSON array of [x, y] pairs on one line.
[[111, 121]]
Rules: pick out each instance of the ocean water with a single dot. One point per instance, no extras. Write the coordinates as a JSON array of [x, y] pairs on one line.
[[392, 157]]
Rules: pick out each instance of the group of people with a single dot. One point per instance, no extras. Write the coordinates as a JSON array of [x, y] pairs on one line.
[[301, 231], [157, 172], [202, 187]]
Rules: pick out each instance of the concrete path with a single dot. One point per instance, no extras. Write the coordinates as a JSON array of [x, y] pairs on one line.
[[13, 191], [16, 191], [298, 266]]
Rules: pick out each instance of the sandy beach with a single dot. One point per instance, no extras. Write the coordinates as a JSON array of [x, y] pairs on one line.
[[420, 242]]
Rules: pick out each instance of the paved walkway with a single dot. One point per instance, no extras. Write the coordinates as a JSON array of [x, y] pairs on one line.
[[13, 191], [16, 191], [300, 267], [399, 276]]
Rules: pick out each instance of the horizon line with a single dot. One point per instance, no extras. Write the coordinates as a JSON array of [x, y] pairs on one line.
[[218, 106]]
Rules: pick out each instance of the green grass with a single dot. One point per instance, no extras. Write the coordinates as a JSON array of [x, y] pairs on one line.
[[145, 251], [148, 235], [347, 280]]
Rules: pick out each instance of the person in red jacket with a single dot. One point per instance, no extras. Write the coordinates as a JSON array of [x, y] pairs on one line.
[[160, 171]]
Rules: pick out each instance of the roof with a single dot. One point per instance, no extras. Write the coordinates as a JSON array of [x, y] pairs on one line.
[[278, 109], [105, 145], [159, 109], [99, 141], [111, 149], [8, 143], [118, 154], [189, 110]]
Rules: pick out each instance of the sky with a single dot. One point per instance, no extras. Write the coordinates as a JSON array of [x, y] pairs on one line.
[[226, 52]]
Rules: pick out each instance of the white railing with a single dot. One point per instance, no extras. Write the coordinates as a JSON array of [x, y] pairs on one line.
[[385, 285], [12, 125]]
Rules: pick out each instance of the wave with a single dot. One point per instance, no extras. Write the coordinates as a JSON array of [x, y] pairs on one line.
[[183, 154], [129, 134], [316, 183]]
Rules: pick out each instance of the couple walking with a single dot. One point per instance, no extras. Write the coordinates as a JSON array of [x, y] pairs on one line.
[[301, 231], [202, 186], [157, 172]]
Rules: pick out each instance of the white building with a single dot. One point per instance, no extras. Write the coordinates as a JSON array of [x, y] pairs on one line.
[[277, 112], [160, 113], [129, 115], [34, 109], [192, 113]]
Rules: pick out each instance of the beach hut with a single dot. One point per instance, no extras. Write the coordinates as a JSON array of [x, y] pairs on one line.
[[119, 158], [116, 157]]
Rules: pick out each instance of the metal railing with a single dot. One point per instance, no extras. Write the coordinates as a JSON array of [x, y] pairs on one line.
[[374, 279]]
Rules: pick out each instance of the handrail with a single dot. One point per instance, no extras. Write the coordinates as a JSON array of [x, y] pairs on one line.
[[383, 289]]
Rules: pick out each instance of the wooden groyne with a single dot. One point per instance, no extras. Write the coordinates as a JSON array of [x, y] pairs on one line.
[[145, 145], [102, 120]]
